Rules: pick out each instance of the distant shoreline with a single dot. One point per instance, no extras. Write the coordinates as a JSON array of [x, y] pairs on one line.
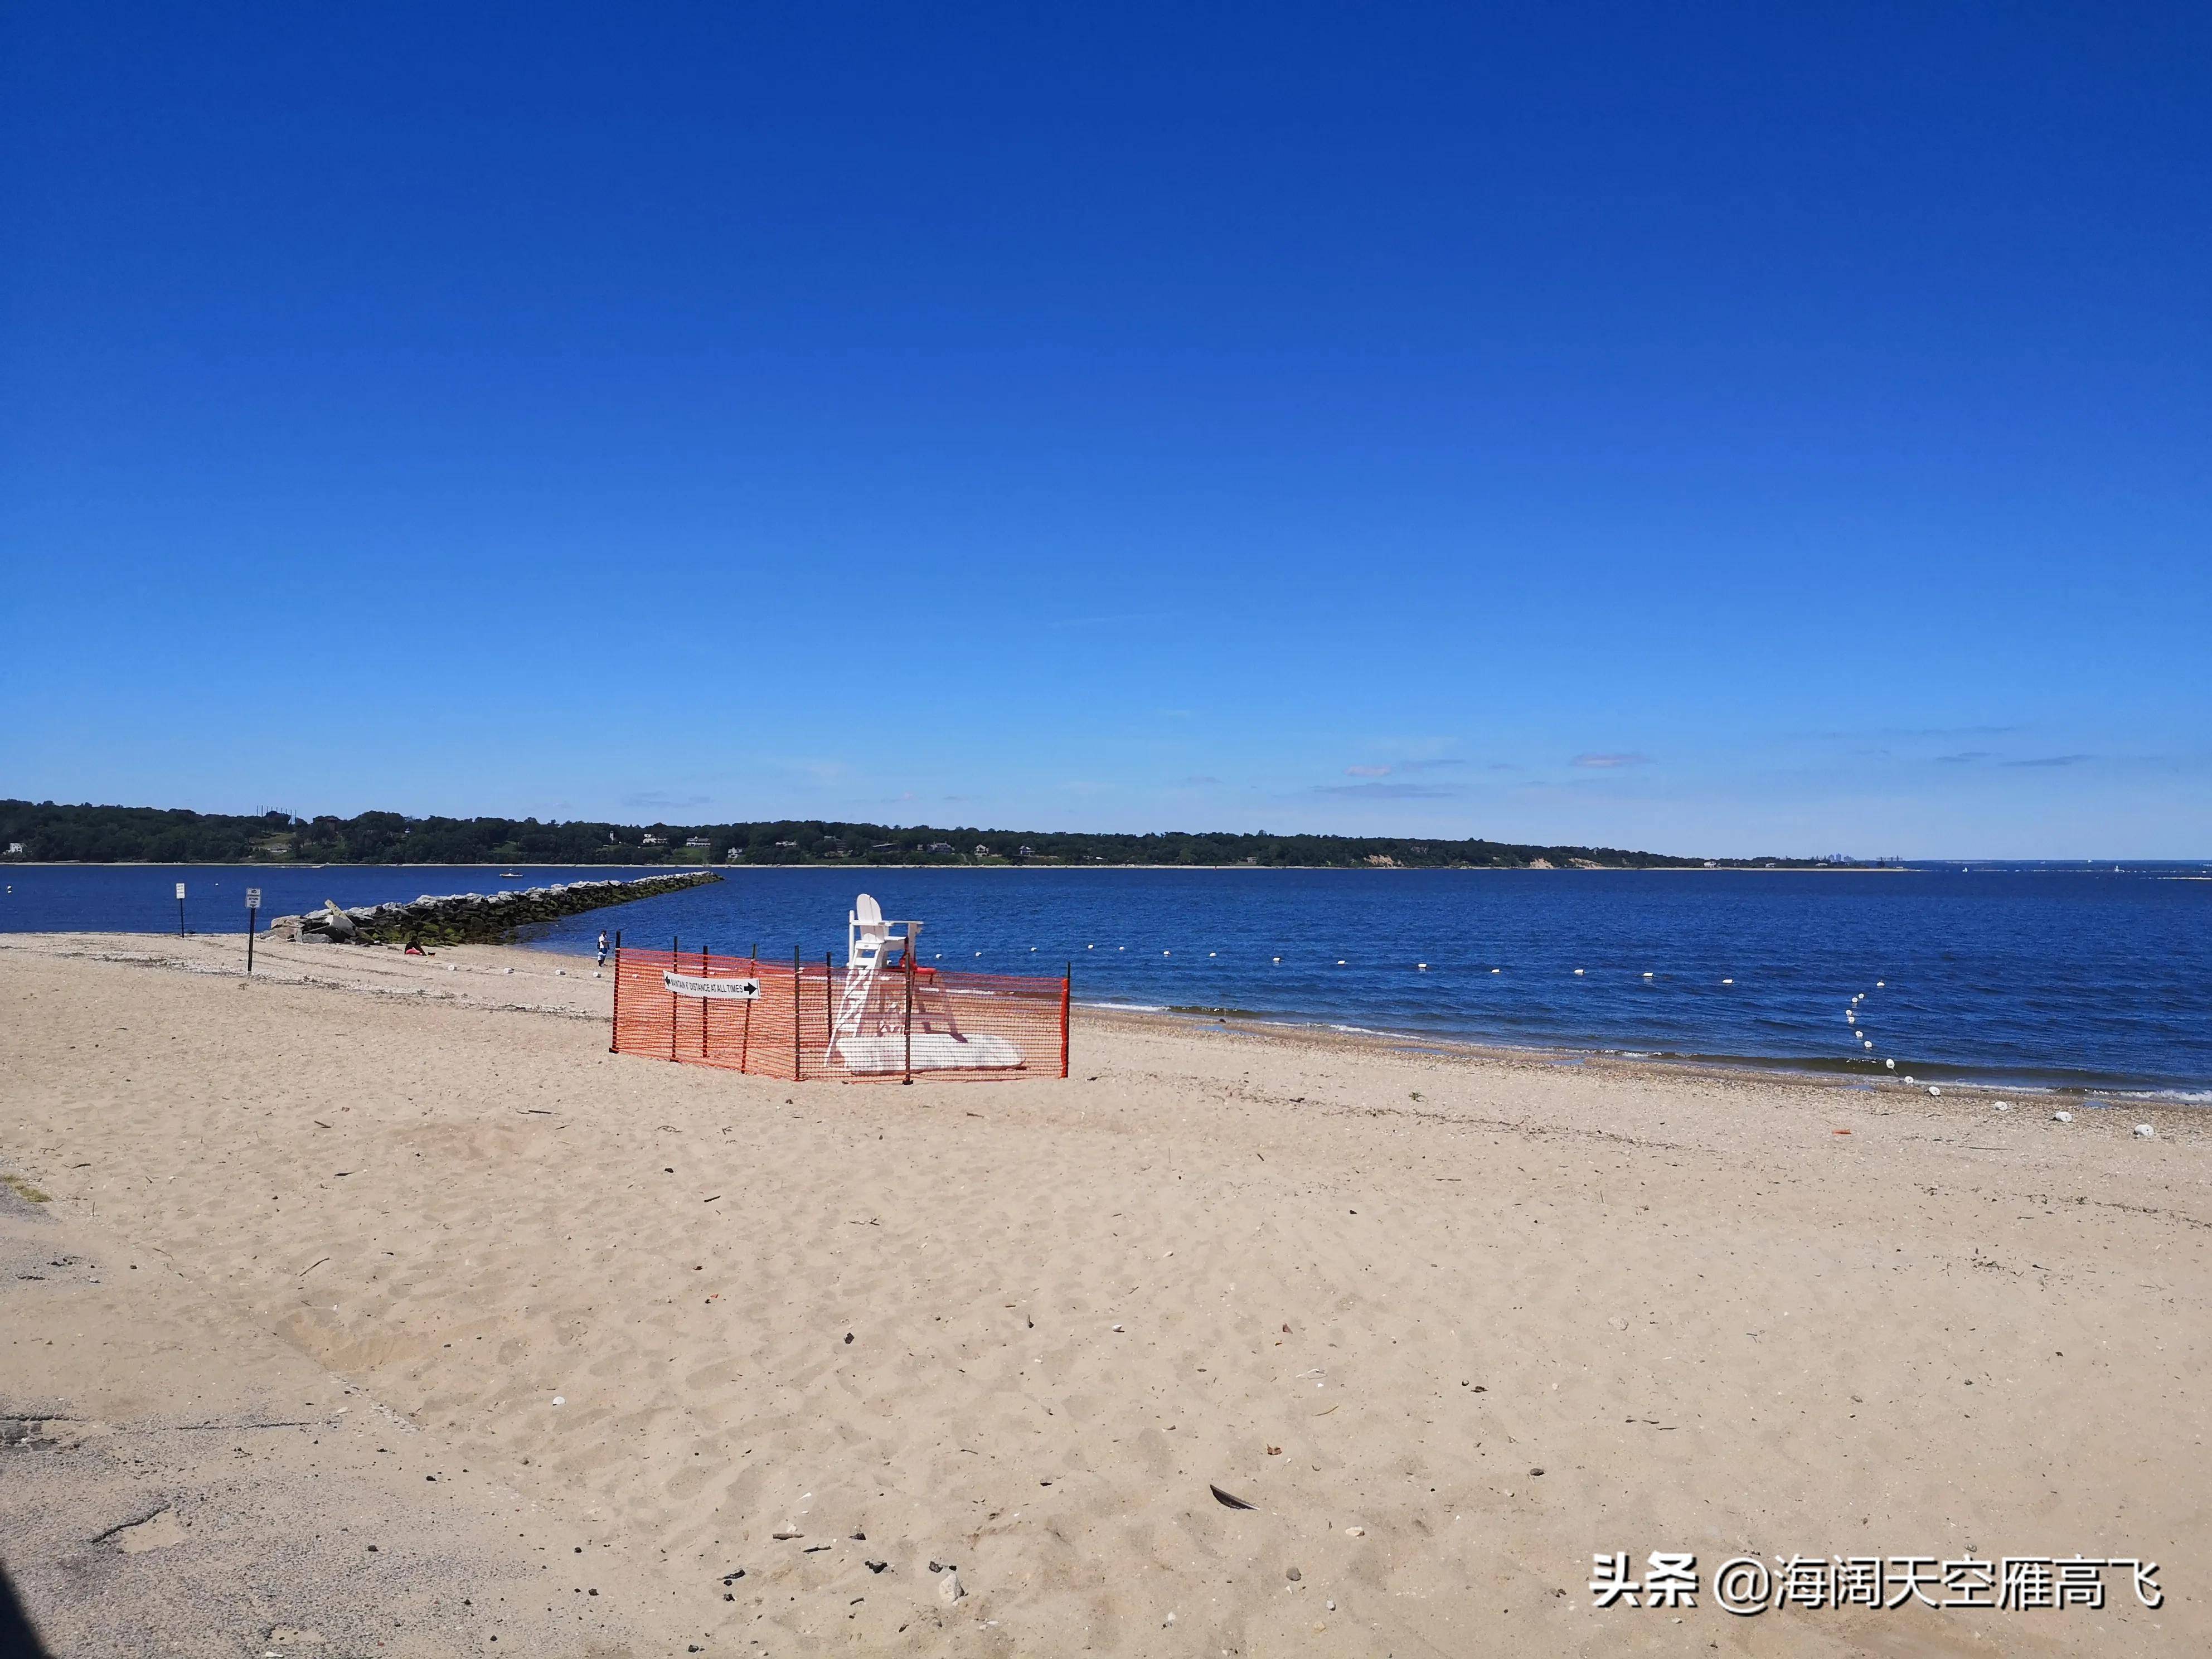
[[943, 869]]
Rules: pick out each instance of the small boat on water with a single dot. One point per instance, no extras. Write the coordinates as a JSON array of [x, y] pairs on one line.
[[509, 875]]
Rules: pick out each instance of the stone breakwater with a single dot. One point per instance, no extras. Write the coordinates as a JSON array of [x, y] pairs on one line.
[[474, 918]]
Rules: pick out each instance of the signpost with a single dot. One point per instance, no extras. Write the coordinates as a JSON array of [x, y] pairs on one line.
[[252, 923], [180, 909]]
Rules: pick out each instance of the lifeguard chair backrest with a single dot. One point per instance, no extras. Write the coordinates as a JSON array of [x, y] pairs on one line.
[[866, 932]]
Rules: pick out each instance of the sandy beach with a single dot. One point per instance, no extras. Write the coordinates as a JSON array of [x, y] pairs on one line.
[[371, 1306]]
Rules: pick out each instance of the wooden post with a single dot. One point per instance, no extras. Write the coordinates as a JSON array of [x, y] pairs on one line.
[[828, 1015], [795, 1065], [1066, 979], [745, 1037], [675, 944], [909, 966], [704, 1004], [614, 1030]]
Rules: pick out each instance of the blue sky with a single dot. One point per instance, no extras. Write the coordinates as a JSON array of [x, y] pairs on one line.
[[1712, 430]]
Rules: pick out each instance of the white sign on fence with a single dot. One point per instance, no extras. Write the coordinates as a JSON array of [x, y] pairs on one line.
[[692, 985]]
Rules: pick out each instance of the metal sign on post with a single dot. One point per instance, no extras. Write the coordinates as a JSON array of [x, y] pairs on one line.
[[252, 923], [180, 909]]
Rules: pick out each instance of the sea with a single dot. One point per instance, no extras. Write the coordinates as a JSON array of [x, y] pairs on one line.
[[2090, 980]]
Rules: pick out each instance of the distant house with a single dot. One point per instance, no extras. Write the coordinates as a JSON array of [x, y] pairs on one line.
[[15, 850], [733, 856], [699, 841], [1028, 853], [788, 846], [940, 847], [656, 841], [981, 851]]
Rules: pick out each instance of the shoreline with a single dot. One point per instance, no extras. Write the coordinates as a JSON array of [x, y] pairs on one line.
[[1040, 864], [1813, 1073], [330, 964]]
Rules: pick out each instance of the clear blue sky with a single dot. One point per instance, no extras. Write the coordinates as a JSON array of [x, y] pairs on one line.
[[1710, 428]]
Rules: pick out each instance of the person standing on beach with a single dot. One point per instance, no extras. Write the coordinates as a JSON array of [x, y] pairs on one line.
[[603, 947]]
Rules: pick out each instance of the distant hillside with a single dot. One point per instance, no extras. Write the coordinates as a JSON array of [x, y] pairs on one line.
[[50, 833]]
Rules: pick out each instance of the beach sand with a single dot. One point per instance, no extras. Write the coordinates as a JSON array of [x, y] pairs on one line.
[[365, 1251]]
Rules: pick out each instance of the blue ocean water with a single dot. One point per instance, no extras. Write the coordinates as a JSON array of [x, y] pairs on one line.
[[2066, 977]]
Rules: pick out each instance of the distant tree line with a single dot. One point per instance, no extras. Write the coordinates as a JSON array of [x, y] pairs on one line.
[[50, 833]]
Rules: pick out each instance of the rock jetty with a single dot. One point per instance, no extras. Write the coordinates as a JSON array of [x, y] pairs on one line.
[[474, 918]]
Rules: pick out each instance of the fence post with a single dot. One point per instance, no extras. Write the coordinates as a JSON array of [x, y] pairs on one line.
[[828, 1015], [745, 1038], [675, 944], [908, 965], [795, 1064], [614, 1030], [1066, 979], [705, 1003]]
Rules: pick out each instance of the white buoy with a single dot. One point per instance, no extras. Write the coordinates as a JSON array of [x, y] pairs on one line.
[[1340, 962], [1578, 973], [1890, 1064], [1276, 959], [1646, 974], [1167, 953], [1727, 981], [1213, 953], [1878, 983], [1497, 970], [1867, 1045], [1422, 966]]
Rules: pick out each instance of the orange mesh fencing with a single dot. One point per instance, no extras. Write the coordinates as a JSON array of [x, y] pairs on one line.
[[813, 1021]]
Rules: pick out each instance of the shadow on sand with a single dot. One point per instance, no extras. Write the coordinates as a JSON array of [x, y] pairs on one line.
[[18, 1638]]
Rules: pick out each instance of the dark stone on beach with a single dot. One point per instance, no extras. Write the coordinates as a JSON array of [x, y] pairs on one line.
[[1293, 1575]]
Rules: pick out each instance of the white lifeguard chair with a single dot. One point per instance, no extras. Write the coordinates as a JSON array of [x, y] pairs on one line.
[[891, 1019]]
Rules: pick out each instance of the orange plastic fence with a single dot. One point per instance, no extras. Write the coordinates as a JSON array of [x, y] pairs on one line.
[[801, 1026]]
